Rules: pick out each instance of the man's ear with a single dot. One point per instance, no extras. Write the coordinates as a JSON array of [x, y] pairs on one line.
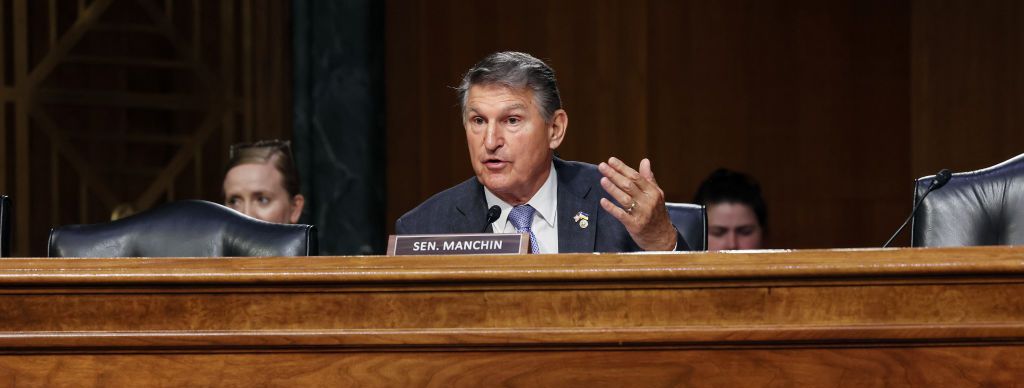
[[297, 202], [557, 127]]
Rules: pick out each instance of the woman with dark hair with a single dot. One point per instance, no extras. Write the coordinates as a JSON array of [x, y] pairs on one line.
[[736, 210], [262, 182]]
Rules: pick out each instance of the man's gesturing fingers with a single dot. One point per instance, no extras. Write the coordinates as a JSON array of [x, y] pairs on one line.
[[642, 204], [619, 214], [626, 178], [620, 196], [646, 172]]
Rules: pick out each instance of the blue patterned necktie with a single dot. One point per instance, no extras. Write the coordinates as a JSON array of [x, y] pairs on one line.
[[521, 217]]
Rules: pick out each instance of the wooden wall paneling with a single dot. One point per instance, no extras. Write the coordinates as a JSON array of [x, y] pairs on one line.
[[6, 20], [404, 88], [794, 94], [68, 177], [811, 98], [20, 236], [426, 143], [247, 66], [227, 56], [966, 86], [5, 94], [272, 56], [878, 139], [3, 139], [167, 178], [449, 54], [697, 93], [854, 146], [603, 80]]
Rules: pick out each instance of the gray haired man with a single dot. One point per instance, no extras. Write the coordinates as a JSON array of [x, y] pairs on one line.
[[514, 121]]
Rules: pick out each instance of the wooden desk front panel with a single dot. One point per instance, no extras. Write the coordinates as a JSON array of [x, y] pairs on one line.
[[801, 367], [899, 317]]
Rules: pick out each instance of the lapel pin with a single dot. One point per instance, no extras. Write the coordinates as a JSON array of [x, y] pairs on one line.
[[582, 219]]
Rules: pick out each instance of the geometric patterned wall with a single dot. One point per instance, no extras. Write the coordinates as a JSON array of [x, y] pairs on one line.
[[114, 102]]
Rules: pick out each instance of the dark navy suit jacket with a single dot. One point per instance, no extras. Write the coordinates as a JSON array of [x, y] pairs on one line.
[[463, 209]]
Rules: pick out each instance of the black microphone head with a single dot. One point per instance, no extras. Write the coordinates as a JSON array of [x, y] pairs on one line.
[[941, 178], [493, 213]]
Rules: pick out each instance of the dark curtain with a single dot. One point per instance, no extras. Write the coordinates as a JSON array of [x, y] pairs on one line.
[[339, 121]]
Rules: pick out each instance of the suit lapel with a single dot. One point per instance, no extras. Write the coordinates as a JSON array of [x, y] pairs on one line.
[[472, 205], [573, 198]]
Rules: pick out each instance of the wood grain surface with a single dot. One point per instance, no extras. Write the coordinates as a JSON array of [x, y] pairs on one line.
[[893, 317], [851, 367]]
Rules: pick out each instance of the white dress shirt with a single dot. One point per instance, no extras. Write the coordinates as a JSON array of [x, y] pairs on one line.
[[545, 218]]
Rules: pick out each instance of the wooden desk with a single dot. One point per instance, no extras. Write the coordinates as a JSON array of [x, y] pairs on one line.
[[909, 317]]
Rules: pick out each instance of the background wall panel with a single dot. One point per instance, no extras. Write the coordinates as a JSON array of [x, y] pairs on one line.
[[967, 84], [834, 105], [132, 102], [812, 98]]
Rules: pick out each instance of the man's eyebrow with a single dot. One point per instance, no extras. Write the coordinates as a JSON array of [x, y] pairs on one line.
[[471, 110]]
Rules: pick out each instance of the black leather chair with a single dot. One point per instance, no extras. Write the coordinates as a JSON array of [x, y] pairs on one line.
[[184, 229], [983, 207], [692, 222], [5, 226]]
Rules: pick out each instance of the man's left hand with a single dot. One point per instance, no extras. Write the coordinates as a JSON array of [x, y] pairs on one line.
[[642, 202]]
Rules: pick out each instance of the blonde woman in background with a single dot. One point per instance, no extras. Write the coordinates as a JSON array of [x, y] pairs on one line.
[[262, 182]]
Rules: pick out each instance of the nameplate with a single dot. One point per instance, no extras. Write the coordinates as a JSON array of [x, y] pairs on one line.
[[459, 244]]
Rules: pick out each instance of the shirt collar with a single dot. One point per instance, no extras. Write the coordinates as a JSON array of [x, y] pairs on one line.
[[545, 201]]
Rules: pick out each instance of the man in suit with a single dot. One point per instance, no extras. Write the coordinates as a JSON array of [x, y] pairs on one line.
[[514, 121]]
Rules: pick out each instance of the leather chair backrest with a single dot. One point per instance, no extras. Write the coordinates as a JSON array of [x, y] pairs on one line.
[[5, 226], [983, 207], [184, 229], [692, 221]]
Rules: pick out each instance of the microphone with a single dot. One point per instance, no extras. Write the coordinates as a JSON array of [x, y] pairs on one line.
[[941, 178], [492, 215]]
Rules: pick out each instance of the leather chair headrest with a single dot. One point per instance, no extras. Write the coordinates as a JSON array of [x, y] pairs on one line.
[[188, 228]]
